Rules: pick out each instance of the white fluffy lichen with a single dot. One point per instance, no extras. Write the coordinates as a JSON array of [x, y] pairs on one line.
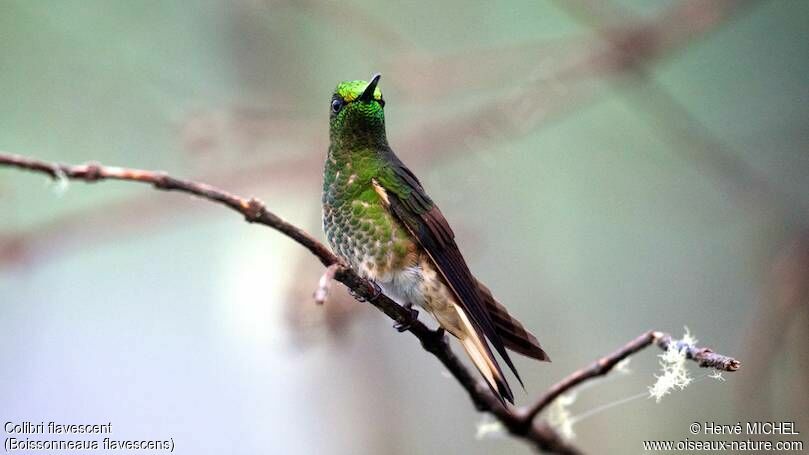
[[673, 365], [60, 183], [489, 428], [558, 415], [623, 366]]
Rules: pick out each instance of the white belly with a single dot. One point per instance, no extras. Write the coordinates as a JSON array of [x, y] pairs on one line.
[[405, 286]]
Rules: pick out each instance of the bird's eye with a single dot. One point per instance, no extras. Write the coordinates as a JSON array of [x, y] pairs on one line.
[[336, 105]]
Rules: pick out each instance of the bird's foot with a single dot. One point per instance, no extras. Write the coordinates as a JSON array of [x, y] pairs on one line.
[[407, 324], [356, 296], [377, 291]]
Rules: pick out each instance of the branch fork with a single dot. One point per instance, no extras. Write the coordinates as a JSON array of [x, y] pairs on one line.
[[520, 422]]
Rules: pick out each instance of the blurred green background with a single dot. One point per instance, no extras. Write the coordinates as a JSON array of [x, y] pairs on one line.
[[608, 167]]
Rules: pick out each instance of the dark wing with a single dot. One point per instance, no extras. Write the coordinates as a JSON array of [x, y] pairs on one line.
[[514, 335], [411, 205]]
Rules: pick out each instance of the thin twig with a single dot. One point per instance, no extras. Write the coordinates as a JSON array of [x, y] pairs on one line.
[[519, 422], [324, 285], [704, 356]]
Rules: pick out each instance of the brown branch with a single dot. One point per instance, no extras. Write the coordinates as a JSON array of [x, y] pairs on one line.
[[519, 422]]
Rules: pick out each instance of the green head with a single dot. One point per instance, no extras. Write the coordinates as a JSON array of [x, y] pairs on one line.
[[357, 113]]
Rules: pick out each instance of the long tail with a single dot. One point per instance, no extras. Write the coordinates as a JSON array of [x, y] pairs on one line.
[[511, 331], [481, 355]]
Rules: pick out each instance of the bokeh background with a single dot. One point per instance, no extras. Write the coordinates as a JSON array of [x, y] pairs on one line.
[[609, 167]]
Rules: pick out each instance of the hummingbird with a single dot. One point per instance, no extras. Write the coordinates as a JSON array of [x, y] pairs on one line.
[[378, 218]]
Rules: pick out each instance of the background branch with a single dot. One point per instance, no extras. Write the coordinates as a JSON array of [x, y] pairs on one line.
[[519, 422], [565, 78]]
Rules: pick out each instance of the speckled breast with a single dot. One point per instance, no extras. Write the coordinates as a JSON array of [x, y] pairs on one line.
[[361, 230]]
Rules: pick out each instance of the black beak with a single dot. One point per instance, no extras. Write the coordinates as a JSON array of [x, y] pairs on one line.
[[368, 93]]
